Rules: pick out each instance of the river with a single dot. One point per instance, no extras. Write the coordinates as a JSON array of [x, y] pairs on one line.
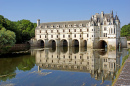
[[61, 67]]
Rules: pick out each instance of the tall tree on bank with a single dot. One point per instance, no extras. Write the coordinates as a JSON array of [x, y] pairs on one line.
[[7, 40], [125, 31], [24, 29]]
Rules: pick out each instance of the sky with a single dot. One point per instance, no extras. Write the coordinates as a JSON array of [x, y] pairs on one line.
[[63, 10]]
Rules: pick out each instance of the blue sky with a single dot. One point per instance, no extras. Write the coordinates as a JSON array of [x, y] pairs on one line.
[[63, 10]]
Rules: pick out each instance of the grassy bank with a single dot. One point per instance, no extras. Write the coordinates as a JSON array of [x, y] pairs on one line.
[[119, 71]]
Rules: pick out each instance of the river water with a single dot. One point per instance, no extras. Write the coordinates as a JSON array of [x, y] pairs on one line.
[[61, 67]]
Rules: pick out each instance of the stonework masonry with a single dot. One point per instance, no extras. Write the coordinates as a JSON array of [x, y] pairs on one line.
[[102, 29]]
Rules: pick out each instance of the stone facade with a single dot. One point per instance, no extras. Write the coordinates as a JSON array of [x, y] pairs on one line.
[[100, 65], [100, 30]]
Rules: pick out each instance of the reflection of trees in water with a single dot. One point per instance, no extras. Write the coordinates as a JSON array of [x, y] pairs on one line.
[[9, 65]]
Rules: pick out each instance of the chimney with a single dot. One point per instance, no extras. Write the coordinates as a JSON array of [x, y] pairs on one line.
[[38, 22], [102, 14]]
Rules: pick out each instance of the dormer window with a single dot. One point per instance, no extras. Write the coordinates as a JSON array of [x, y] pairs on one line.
[[63, 25], [104, 22], [57, 26], [52, 26], [80, 25], [46, 26], [69, 25], [75, 25], [105, 28]]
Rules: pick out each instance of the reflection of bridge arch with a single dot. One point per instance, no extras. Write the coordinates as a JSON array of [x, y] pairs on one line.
[[102, 44], [52, 43], [40, 43], [75, 43], [64, 43], [64, 49]]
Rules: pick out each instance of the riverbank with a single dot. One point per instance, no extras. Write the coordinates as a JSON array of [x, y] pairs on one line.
[[122, 77]]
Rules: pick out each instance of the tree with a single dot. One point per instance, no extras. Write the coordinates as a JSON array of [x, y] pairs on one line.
[[7, 40], [125, 31]]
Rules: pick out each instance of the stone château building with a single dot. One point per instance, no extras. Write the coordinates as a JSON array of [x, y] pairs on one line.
[[101, 30]]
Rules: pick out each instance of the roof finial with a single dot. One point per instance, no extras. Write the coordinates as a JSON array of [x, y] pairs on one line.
[[112, 14]]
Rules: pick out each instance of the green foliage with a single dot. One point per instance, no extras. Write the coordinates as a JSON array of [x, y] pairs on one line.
[[125, 31], [8, 66], [126, 57], [7, 40], [24, 29]]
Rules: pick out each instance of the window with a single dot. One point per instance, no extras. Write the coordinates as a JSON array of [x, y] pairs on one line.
[[75, 57], [80, 57], [74, 30], [52, 56], [64, 56], [40, 31], [63, 36], [69, 30], [69, 25], [87, 35], [80, 35], [51, 31], [63, 30], [92, 29], [68, 36], [57, 36], [45, 36], [105, 28], [80, 25], [114, 30], [92, 35], [80, 30], [87, 30], [104, 34], [51, 36], [57, 31], [40, 36], [75, 35], [104, 22], [46, 31], [57, 26], [111, 30]]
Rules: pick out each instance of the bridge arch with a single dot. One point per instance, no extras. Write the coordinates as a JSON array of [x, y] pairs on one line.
[[63, 43], [52, 43], [40, 43], [102, 44], [75, 43]]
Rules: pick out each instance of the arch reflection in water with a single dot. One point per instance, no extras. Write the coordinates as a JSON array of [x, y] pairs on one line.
[[100, 66]]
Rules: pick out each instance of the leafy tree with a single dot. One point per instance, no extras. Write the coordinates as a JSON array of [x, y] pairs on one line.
[[7, 40], [125, 31], [23, 29]]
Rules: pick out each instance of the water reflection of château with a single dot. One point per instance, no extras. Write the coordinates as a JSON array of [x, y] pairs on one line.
[[101, 66]]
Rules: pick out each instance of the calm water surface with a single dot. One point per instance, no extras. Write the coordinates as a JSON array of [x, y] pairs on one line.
[[61, 67]]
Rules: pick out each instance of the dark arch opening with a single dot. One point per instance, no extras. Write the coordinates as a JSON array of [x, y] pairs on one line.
[[75, 50], [102, 45], [40, 43], [64, 43], [52, 44], [75, 43], [64, 49]]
